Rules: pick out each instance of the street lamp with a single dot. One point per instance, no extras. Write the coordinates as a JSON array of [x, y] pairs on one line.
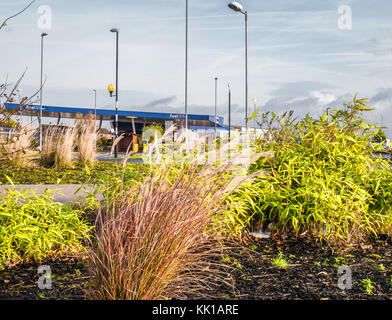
[[229, 111], [186, 62], [116, 31], [40, 90], [95, 104], [19, 90], [254, 113], [216, 103], [237, 7]]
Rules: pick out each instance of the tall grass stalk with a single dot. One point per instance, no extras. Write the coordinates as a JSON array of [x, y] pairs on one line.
[[154, 241], [87, 141], [58, 146], [17, 150]]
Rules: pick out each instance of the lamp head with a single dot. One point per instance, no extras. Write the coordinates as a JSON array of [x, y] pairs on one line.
[[44, 34], [114, 30], [111, 89], [236, 6]]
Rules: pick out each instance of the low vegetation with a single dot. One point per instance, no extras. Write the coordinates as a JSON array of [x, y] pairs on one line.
[[280, 261], [324, 180], [58, 146], [154, 240], [17, 148], [100, 173], [367, 286], [87, 141], [34, 227]]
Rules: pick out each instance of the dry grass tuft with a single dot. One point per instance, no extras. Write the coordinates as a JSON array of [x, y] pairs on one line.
[[18, 148], [155, 241], [58, 146], [87, 141]]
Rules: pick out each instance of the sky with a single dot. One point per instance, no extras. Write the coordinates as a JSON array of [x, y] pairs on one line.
[[301, 57]]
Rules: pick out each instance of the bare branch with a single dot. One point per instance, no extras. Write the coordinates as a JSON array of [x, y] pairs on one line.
[[23, 103], [15, 15]]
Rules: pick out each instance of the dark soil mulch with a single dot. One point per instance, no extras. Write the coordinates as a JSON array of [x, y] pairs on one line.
[[312, 273], [69, 281]]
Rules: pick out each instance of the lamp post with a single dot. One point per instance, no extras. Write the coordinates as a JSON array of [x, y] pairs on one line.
[[116, 31], [237, 7], [229, 111], [40, 90], [216, 103], [254, 111], [19, 90], [95, 105], [186, 62]]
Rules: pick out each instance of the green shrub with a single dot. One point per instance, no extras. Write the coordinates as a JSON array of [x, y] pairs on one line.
[[323, 180], [33, 227]]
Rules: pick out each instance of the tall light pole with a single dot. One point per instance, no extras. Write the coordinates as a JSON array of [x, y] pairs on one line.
[[254, 111], [95, 104], [186, 62], [237, 7], [229, 111], [116, 31], [19, 90], [216, 103], [40, 91]]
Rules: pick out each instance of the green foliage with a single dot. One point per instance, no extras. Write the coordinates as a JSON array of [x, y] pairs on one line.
[[104, 143], [323, 179], [380, 267], [148, 132], [379, 135], [155, 126], [100, 172], [33, 227], [7, 122], [280, 261], [367, 286]]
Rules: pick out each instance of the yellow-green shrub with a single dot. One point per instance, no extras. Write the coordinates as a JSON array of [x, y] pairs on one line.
[[324, 179]]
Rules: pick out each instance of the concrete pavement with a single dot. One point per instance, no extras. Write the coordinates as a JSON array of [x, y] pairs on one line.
[[64, 193]]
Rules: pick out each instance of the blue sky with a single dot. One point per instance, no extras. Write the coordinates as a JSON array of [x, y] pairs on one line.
[[298, 57]]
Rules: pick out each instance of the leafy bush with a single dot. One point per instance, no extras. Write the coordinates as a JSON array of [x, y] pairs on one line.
[[324, 179], [154, 130], [33, 227], [379, 135], [104, 144]]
